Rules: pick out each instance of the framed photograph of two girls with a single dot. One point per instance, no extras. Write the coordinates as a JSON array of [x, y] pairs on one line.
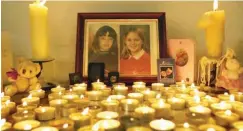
[[128, 43]]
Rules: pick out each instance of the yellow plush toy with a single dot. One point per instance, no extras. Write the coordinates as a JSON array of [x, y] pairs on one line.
[[24, 78]]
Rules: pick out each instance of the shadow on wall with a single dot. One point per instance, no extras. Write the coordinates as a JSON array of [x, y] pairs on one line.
[[238, 51]]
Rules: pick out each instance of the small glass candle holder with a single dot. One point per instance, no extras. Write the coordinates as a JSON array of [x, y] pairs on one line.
[[107, 115], [128, 121], [129, 104], [53, 96], [45, 113], [69, 109], [25, 106], [38, 93], [162, 125], [145, 113], [62, 124], [110, 105], [26, 125], [25, 115]]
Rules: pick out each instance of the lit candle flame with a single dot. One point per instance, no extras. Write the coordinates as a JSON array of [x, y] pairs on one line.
[[43, 109], [98, 80], [105, 124], [186, 125], [222, 104], [7, 102], [226, 93], [65, 125], [59, 93], [208, 97], [232, 98], [197, 99], [30, 96], [182, 81], [240, 93], [58, 86], [200, 108], [129, 101], [24, 103], [81, 96], [109, 99], [96, 127], [39, 90], [25, 111], [43, 2], [215, 5], [158, 96], [27, 127], [2, 122], [161, 103], [183, 86], [211, 129], [70, 89], [192, 85], [228, 113], [85, 111], [174, 99]]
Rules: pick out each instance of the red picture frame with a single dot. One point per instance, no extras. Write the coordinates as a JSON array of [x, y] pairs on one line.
[[162, 44]]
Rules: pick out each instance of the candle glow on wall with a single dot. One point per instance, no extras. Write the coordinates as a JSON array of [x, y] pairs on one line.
[[39, 35]]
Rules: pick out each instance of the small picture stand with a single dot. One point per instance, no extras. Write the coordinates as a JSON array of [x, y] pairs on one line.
[[166, 71], [113, 77], [74, 78], [96, 71]]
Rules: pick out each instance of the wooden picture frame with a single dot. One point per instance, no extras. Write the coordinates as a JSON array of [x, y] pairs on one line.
[[157, 25]]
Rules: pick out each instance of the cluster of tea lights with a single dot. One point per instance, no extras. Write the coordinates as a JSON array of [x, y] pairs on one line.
[[179, 107]]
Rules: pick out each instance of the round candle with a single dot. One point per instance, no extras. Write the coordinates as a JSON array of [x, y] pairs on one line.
[[120, 90], [138, 88], [162, 110], [198, 93], [45, 113], [238, 125], [222, 106], [68, 109], [81, 119], [81, 102], [224, 118], [148, 94], [185, 127], [31, 100], [196, 101], [26, 125], [10, 105], [128, 121], [62, 124], [238, 109], [137, 96], [211, 127], [183, 96], [58, 89], [25, 106], [139, 83], [4, 111], [94, 109], [38, 93], [105, 92], [94, 95], [200, 112], [107, 115], [155, 100], [45, 128], [157, 86], [117, 97], [162, 125], [106, 125], [224, 97], [211, 100], [58, 104], [70, 97], [54, 96], [129, 104], [118, 84], [97, 85], [5, 126], [110, 105], [238, 96], [80, 89], [25, 115], [176, 103], [145, 113]]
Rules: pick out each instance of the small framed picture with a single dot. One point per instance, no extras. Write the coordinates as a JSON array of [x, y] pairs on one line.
[[166, 70], [74, 78]]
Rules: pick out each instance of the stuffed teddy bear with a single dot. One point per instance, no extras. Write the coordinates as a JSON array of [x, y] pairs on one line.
[[24, 78]]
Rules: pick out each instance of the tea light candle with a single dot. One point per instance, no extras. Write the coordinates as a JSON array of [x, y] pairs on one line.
[[117, 97], [185, 127], [69, 109], [81, 102], [80, 89], [157, 86], [94, 109], [118, 84], [110, 105], [54, 96], [225, 118], [70, 97], [197, 93], [5, 126], [26, 125], [176, 103], [238, 125], [200, 111], [107, 115], [183, 89], [120, 90], [238, 109], [128, 121], [183, 96], [222, 106], [148, 94], [45, 113], [129, 104], [58, 89], [224, 97], [25, 106], [211, 127], [238, 96], [210, 100], [81, 119], [137, 96], [145, 113], [62, 124], [162, 125], [138, 88], [106, 125], [94, 95], [10, 105], [45, 128], [58, 104], [25, 115], [139, 83], [162, 110], [105, 92], [4, 111], [156, 100], [97, 85], [38, 93], [196, 101], [31, 100], [4, 98]]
